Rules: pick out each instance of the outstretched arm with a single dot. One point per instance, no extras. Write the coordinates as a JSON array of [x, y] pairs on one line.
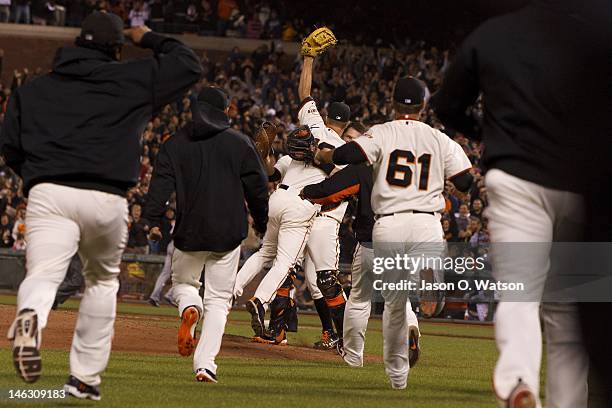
[[305, 85]]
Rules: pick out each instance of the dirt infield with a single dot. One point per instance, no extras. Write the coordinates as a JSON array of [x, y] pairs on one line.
[[157, 335]]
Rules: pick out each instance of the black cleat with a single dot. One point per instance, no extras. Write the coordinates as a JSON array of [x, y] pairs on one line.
[[79, 389], [25, 336], [328, 340], [414, 349], [257, 311]]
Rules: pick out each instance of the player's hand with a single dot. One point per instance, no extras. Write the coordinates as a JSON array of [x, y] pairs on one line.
[[260, 230], [324, 156], [155, 234], [136, 33]]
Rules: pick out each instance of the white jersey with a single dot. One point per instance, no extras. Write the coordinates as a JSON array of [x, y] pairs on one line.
[[309, 115], [296, 174], [411, 161]]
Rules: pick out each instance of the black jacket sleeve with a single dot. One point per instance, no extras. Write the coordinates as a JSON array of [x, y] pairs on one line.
[[255, 185], [163, 184], [10, 137], [459, 91], [349, 153], [176, 69], [336, 188]]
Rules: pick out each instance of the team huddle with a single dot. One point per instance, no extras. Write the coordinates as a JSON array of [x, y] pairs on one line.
[[397, 171]]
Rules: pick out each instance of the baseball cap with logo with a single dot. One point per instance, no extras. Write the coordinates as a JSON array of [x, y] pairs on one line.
[[102, 28], [339, 111], [409, 91]]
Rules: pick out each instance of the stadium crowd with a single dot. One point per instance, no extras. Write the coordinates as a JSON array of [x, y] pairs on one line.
[[246, 18], [263, 86]]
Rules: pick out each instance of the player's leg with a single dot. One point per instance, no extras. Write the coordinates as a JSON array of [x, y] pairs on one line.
[[260, 259], [52, 236], [219, 280], [328, 339], [186, 273], [567, 365], [518, 213], [358, 306], [283, 313], [324, 250], [294, 229], [163, 277], [103, 219]]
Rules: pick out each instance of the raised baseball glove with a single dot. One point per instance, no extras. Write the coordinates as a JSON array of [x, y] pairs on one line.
[[318, 42], [264, 138]]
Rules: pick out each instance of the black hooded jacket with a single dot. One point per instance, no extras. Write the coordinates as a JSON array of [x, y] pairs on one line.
[[213, 169], [81, 124], [541, 71]]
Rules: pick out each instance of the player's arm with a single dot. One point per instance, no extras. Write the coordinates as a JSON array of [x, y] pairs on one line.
[[279, 169], [176, 68], [305, 85], [255, 186], [10, 136], [458, 92], [457, 165], [336, 188], [163, 184], [361, 150]]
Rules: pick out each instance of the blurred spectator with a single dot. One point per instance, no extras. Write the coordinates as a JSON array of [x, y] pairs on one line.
[[22, 11], [139, 14], [477, 208], [463, 219], [137, 238], [225, 9], [5, 11]]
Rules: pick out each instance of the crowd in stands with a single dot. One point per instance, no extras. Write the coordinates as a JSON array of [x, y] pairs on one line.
[[236, 18], [263, 86]]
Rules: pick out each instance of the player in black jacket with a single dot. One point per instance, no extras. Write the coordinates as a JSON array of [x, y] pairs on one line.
[[535, 68], [214, 170], [74, 136]]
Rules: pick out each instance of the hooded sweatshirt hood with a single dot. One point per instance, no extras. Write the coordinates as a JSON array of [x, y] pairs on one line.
[[208, 121], [78, 61]]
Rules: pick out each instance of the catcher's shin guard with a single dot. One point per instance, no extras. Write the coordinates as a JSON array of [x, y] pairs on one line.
[[330, 286], [283, 310]]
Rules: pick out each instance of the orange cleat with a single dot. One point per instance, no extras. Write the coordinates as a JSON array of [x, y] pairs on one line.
[[186, 333]]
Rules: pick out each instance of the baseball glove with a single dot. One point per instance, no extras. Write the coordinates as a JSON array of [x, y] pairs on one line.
[[264, 138], [318, 42]]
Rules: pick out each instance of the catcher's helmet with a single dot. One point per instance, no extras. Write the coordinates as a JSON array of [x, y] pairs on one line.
[[301, 144]]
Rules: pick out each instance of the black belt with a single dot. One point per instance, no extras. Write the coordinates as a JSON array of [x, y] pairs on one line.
[[283, 186], [378, 216]]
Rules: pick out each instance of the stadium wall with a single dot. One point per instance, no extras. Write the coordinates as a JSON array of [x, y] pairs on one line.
[[30, 46]]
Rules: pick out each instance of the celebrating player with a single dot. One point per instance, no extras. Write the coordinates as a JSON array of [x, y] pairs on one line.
[[529, 142], [207, 163], [78, 154], [411, 161]]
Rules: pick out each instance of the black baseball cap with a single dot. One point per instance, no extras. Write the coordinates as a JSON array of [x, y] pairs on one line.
[[215, 97], [339, 111], [102, 28], [409, 91]]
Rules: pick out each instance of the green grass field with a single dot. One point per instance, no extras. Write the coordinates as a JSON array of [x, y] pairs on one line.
[[454, 371]]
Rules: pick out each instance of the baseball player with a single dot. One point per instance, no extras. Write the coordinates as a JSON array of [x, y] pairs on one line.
[[410, 161], [289, 225], [532, 127], [163, 277], [323, 246], [357, 180], [78, 154], [207, 163]]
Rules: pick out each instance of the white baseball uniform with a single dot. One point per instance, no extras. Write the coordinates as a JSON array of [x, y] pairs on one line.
[[410, 161], [62, 221], [289, 222], [520, 211]]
